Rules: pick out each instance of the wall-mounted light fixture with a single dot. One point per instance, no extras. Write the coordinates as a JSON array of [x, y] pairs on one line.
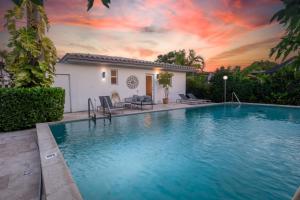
[[103, 75], [157, 76]]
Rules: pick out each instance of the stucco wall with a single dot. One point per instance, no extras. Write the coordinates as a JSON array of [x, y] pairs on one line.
[[86, 81]]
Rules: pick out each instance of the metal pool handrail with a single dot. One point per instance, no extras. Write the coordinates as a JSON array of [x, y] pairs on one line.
[[234, 95], [91, 105], [109, 111]]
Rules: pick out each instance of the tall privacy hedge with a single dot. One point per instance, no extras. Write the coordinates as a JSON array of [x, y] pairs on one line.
[[282, 87], [22, 108]]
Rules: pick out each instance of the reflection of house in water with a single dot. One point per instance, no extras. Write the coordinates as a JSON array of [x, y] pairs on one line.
[[5, 80], [147, 120]]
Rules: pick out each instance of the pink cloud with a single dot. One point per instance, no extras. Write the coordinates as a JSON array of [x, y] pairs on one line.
[[141, 52], [103, 23], [228, 17]]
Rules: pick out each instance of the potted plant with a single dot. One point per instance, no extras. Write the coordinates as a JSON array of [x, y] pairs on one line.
[[164, 79]]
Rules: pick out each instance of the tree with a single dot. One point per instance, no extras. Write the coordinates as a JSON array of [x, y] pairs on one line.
[[258, 66], [3, 54], [289, 17], [90, 3], [182, 58], [33, 55], [195, 60]]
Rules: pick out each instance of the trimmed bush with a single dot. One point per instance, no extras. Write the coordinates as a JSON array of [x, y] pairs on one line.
[[22, 108]]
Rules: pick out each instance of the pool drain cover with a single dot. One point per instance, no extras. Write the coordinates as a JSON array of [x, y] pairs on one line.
[[50, 156], [27, 172]]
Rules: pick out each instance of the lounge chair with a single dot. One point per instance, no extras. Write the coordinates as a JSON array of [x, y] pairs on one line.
[[186, 100], [192, 96], [107, 105]]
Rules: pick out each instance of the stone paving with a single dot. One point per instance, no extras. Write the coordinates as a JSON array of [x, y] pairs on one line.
[[20, 173], [157, 107]]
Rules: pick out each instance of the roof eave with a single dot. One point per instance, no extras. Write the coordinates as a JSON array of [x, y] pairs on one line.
[[72, 60]]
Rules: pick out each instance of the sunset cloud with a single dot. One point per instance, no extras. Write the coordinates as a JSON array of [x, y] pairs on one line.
[[224, 32], [142, 52]]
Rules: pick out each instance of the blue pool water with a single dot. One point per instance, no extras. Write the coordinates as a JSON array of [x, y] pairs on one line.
[[219, 152]]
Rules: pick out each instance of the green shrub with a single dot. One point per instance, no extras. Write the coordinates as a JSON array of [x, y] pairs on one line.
[[198, 86], [22, 108], [282, 87]]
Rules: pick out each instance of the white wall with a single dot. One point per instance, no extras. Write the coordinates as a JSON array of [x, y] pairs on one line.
[[86, 81]]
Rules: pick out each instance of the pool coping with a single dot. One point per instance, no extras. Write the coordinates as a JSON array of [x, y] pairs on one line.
[[266, 104], [139, 112], [58, 182], [57, 179]]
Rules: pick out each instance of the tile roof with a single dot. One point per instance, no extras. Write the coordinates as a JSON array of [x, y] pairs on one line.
[[80, 58]]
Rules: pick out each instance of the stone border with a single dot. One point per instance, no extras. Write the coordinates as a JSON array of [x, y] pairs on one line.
[[190, 106], [57, 179], [265, 104], [297, 195]]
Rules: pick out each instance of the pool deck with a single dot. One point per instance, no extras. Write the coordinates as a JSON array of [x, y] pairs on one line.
[[20, 171], [158, 107]]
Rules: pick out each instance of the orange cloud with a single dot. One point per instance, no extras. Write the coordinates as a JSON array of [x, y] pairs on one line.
[[189, 17], [103, 23], [146, 52], [228, 17], [240, 55], [141, 52]]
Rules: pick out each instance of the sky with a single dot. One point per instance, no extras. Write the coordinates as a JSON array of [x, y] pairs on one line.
[[223, 32]]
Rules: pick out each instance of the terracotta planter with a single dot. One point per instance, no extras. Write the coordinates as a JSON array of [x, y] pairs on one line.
[[165, 100]]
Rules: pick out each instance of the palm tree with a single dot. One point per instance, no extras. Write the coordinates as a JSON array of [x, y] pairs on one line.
[[195, 60], [182, 58], [90, 3], [32, 55], [3, 54], [289, 17]]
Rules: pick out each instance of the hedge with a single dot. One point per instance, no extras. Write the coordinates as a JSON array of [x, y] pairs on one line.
[[282, 87], [22, 108]]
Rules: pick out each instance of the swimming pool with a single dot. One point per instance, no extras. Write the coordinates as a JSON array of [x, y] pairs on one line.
[[217, 152]]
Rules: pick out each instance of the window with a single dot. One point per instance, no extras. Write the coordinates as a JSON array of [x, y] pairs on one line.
[[114, 76]]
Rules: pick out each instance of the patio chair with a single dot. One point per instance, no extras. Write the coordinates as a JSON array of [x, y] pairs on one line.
[[184, 99], [140, 101], [192, 96], [107, 105]]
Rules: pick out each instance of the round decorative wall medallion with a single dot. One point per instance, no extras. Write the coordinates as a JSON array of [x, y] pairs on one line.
[[132, 82]]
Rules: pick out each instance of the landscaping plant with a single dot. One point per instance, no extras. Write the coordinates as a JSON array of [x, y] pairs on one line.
[[165, 79], [90, 3], [289, 17], [32, 55], [22, 108]]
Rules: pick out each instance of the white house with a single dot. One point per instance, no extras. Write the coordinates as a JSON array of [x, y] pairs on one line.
[[86, 76]]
